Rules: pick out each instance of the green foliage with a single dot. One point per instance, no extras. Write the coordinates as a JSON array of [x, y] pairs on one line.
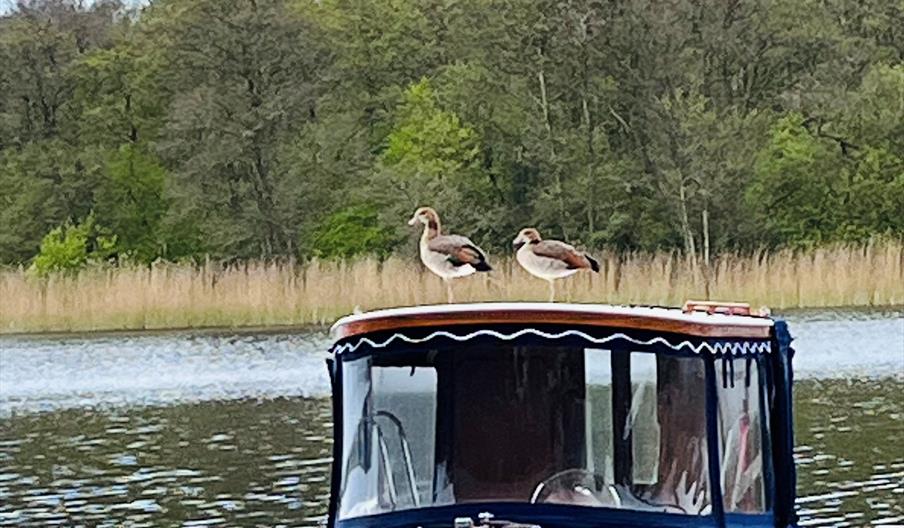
[[428, 143], [797, 187], [70, 247], [352, 232], [876, 112], [41, 185], [431, 156], [64, 248], [235, 129], [130, 201], [244, 76], [806, 191], [875, 197]]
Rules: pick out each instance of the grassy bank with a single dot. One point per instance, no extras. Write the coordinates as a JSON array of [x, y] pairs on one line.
[[264, 294]]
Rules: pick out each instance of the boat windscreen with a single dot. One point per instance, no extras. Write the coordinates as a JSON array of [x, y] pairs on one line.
[[501, 422]]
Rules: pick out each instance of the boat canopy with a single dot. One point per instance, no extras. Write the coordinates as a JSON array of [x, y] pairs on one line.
[[560, 415]]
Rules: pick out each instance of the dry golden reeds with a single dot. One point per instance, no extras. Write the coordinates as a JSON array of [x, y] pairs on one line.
[[270, 294]]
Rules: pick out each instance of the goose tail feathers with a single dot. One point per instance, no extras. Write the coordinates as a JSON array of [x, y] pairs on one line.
[[482, 265]]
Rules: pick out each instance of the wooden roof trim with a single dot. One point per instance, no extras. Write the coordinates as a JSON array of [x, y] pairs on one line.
[[354, 327]]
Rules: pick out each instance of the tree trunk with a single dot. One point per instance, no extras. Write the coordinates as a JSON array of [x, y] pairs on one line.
[[266, 204], [706, 235], [591, 160], [690, 247], [547, 123], [544, 103], [706, 262]]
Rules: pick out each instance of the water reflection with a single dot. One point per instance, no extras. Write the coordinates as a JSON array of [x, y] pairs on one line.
[[266, 462], [239, 463], [850, 451]]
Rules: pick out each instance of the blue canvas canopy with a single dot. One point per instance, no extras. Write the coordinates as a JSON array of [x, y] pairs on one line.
[[561, 415]]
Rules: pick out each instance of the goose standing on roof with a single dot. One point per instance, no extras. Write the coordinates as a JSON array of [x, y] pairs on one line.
[[449, 256], [550, 259]]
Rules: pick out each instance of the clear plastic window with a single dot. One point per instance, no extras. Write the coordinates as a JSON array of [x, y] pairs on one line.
[[667, 424], [388, 446], [644, 419], [598, 412], [742, 430]]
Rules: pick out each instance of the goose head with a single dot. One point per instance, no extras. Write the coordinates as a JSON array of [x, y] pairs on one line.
[[424, 215], [527, 235]]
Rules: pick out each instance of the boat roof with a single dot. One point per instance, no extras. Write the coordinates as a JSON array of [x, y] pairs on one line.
[[661, 319]]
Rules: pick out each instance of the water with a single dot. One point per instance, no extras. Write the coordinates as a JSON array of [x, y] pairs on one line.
[[213, 430]]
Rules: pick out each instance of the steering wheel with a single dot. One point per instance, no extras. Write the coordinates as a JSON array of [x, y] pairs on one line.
[[578, 487]]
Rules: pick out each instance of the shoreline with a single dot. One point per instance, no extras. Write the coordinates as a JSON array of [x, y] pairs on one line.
[[240, 330], [280, 296], [302, 328]]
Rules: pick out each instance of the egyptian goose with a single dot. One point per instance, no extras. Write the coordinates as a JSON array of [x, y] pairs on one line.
[[449, 256], [550, 259]]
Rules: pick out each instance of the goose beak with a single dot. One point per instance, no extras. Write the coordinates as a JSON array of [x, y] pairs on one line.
[[412, 221], [517, 243]]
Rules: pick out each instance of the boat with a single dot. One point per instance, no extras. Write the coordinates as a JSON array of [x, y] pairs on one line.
[[548, 415]]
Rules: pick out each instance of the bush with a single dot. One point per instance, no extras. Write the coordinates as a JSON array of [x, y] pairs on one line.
[[350, 232], [66, 248]]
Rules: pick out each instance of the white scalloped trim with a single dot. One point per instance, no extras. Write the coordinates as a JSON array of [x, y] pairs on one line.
[[732, 348]]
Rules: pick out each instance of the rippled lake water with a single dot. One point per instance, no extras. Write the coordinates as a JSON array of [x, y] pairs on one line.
[[189, 429]]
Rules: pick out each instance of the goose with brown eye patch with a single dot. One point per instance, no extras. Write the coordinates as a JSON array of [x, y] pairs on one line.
[[449, 256], [550, 259]]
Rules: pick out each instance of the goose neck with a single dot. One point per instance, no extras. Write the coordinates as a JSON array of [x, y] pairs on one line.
[[431, 230]]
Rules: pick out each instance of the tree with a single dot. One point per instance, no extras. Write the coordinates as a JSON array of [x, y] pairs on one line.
[[70, 247], [42, 185], [351, 232], [244, 85], [261, 128], [130, 201], [797, 186], [45, 178], [875, 197], [431, 157], [39, 46]]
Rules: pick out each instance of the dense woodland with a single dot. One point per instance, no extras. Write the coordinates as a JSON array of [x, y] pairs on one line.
[[247, 129]]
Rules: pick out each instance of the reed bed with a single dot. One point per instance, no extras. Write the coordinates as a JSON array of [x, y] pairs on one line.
[[280, 293]]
